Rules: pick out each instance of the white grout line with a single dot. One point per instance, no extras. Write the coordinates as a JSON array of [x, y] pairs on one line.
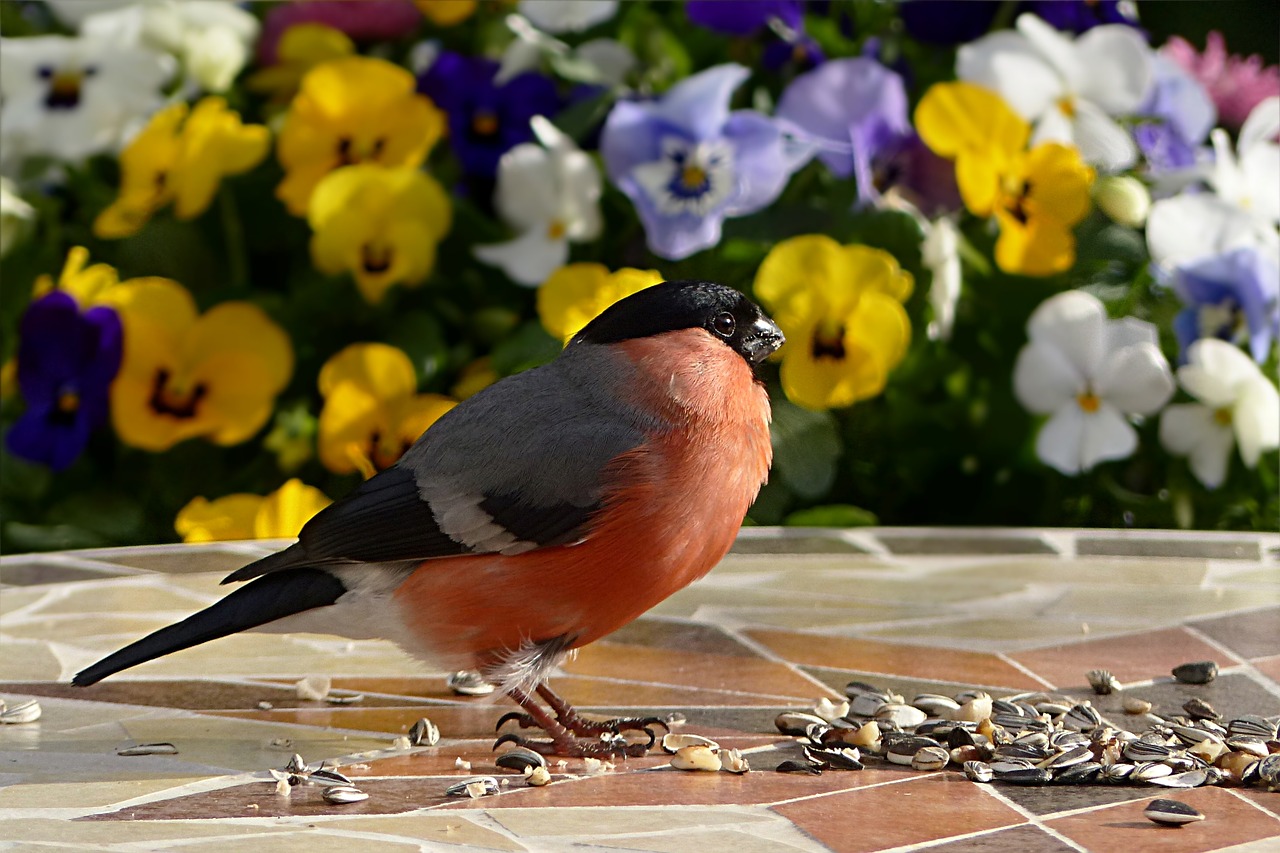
[[1024, 670], [1266, 811], [1032, 818]]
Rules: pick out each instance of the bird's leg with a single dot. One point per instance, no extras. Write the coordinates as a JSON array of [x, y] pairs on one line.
[[577, 724], [563, 741]]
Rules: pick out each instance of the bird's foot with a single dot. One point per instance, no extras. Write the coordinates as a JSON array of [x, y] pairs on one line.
[[568, 746], [584, 727]]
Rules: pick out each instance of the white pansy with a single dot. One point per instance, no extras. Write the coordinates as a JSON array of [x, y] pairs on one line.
[[1069, 89], [1090, 375], [940, 252], [1237, 405], [211, 38], [567, 16], [72, 97], [599, 61], [16, 217], [550, 194], [1244, 207]]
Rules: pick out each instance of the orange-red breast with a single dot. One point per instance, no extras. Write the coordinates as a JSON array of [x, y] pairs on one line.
[[539, 515]]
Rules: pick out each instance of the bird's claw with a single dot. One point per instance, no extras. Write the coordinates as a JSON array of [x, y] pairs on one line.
[[526, 721]]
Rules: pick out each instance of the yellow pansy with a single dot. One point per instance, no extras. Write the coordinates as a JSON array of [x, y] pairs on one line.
[[87, 284], [576, 294], [372, 412], [380, 225], [301, 48], [279, 515], [446, 13], [187, 375], [353, 110], [841, 310], [180, 157], [1037, 196]]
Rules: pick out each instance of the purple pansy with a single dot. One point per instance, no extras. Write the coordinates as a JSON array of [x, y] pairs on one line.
[[1183, 115], [66, 361], [855, 111], [1234, 296], [687, 162], [785, 18], [947, 21], [743, 17], [486, 119], [1078, 16]]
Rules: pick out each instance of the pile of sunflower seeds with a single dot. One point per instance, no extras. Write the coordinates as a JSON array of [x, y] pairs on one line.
[[1033, 739], [335, 787]]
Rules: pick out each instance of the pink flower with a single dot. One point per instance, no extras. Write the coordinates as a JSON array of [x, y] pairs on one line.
[[363, 20], [1236, 84]]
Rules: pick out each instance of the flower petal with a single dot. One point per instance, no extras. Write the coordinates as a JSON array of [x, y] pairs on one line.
[[1216, 372], [382, 370], [282, 513], [1101, 139], [1007, 62], [954, 117], [1136, 380], [1256, 418], [1107, 435], [529, 258], [1114, 68], [527, 194], [699, 105], [228, 517], [1189, 429], [1059, 440], [1194, 225], [794, 264], [1044, 379], [1074, 323]]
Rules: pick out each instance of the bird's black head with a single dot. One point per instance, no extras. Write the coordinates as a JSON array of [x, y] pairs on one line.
[[674, 305]]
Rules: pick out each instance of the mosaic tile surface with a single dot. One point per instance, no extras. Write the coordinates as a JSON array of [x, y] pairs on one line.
[[789, 617]]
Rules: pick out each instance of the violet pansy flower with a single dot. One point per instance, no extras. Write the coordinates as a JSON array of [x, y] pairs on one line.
[[66, 361], [789, 45], [486, 119], [854, 110], [687, 162], [1234, 296], [1183, 115]]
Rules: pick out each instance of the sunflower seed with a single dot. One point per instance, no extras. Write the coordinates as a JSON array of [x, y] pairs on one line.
[[1188, 779], [1200, 709], [732, 761], [1118, 772], [1134, 705], [834, 758], [424, 732], [24, 712], [1199, 672], [978, 771], [797, 723], [1253, 746], [520, 759], [1251, 725], [343, 794], [1024, 776], [1078, 774], [673, 743], [904, 716], [930, 758], [1269, 769], [1063, 760], [467, 682], [345, 699], [1102, 681], [1171, 812], [696, 758], [148, 749], [475, 787], [803, 767], [1149, 771], [1140, 750], [325, 776], [935, 704]]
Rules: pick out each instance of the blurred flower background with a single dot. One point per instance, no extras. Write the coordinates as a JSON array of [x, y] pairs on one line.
[[1025, 253]]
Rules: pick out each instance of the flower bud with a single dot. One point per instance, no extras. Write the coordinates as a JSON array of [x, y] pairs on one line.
[[1125, 199]]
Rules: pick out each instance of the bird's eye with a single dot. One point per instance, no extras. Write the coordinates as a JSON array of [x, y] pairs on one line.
[[724, 324]]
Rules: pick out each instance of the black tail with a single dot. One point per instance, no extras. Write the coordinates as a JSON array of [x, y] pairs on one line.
[[271, 597]]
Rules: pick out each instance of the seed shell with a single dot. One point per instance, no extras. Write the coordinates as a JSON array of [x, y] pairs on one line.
[[1197, 672], [1171, 812]]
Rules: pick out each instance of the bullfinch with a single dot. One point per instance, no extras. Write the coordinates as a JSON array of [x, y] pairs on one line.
[[537, 516]]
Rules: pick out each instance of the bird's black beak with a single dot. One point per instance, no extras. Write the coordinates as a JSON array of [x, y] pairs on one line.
[[762, 340]]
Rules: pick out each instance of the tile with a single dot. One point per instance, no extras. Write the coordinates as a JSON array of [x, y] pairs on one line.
[[388, 721], [128, 595], [1162, 605], [1056, 799], [908, 688], [1269, 667], [85, 832], [669, 666], [1156, 544], [451, 829], [940, 664], [181, 560], [715, 839], [939, 807], [118, 628], [988, 634], [36, 572], [68, 795], [1134, 657], [13, 599], [538, 823], [1228, 820], [28, 660], [683, 636], [1015, 839], [1231, 694], [190, 694], [1262, 798], [306, 840], [1090, 572], [951, 543], [1249, 635]]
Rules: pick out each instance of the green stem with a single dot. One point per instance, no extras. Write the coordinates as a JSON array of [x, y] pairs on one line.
[[233, 234]]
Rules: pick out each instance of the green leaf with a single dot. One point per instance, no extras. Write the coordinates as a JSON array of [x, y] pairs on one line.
[[578, 119], [528, 347], [832, 515], [113, 516], [48, 537], [419, 334], [806, 446]]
